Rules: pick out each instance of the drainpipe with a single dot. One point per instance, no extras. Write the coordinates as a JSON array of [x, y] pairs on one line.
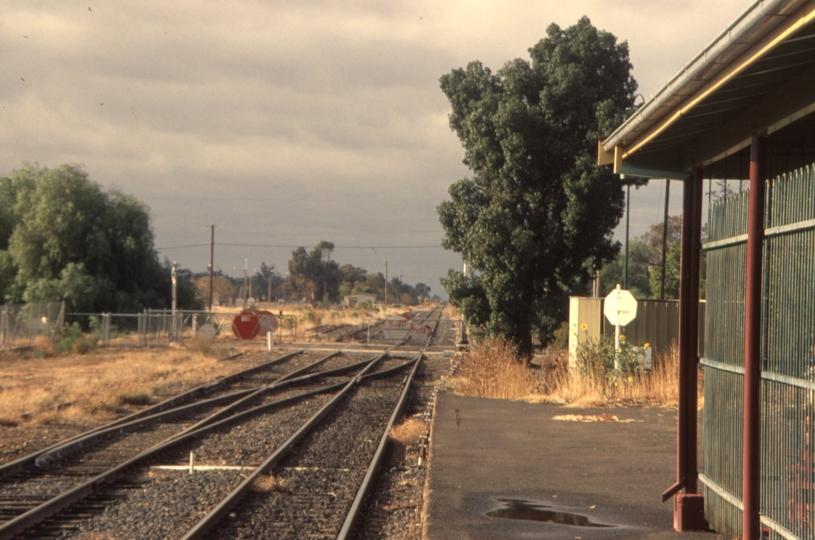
[[751, 528]]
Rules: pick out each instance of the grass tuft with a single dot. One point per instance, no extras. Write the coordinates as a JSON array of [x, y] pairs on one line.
[[408, 432], [135, 397], [269, 483]]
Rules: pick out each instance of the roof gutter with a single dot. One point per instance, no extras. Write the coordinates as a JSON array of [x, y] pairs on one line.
[[743, 33]]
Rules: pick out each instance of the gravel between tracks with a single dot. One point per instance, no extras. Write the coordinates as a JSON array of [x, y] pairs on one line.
[[394, 510], [320, 475]]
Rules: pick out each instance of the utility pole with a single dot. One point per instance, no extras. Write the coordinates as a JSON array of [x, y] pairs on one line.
[[174, 278], [386, 283], [211, 263], [627, 221], [245, 290], [665, 237]]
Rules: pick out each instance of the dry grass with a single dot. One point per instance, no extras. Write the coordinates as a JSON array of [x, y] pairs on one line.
[[99, 386], [594, 389], [408, 432], [492, 370], [310, 317], [268, 483]]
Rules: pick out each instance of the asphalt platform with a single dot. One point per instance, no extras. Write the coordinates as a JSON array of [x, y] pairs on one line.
[[516, 459]]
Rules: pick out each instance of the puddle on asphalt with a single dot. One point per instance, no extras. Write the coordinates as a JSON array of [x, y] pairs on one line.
[[535, 511]]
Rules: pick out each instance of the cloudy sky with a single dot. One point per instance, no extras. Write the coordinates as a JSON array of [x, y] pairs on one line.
[[287, 122]]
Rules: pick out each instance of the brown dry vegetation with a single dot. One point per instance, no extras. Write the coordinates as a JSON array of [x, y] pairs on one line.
[[89, 388], [491, 370], [267, 483], [574, 388], [408, 432], [309, 317]]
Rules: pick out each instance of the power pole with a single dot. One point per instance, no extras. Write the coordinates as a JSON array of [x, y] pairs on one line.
[[386, 283], [211, 263], [664, 238], [174, 278], [627, 221], [245, 290]]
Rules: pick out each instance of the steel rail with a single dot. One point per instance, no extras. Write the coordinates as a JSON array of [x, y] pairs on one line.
[[200, 528], [376, 461], [92, 438], [45, 510], [19, 464]]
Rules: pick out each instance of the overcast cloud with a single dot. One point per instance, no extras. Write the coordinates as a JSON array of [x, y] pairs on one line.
[[290, 122]]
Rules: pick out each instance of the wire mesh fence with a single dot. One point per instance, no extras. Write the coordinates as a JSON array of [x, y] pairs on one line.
[[21, 324], [155, 328], [788, 361]]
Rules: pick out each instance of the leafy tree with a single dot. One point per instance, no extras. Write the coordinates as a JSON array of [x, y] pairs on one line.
[[352, 278], [224, 291], [422, 291], [266, 282], [671, 273], [67, 239], [639, 271], [653, 238], [313, 275], [536, 217]]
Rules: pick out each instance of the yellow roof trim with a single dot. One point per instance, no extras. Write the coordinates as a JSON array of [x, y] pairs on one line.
[[807, 14]]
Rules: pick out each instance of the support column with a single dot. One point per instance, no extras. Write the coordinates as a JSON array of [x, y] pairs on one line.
[[688, 506], [751, 528]]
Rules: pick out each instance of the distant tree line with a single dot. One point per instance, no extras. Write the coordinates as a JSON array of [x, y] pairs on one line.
[[312, 277], [64, 238]]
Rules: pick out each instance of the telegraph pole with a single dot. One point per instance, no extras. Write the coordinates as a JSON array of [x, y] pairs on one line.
[[245, 290], [665, 238], [211, 263], [386, 283]]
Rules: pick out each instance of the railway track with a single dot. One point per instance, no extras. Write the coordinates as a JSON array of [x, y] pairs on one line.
[[86, 477], [286, 449]]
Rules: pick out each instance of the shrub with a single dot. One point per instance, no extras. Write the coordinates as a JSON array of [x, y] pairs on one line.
[[312, 317], [135, 397], [71, 339]]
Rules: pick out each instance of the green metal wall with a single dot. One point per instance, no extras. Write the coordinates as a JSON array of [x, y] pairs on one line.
[[788, 360]]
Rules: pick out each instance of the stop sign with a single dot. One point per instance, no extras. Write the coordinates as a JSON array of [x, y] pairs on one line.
[[620, 307]]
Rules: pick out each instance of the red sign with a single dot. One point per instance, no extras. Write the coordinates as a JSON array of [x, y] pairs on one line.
[[246, 325]]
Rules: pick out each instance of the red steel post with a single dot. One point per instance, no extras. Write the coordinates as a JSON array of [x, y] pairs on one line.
[[692, 363], [689, 506], [751, 528], [686, 249]]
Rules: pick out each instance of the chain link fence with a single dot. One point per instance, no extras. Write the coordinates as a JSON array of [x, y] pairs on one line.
[[154, 328], [20, 324]]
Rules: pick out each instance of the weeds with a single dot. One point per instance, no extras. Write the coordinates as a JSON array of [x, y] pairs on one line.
[[492, 370], [71, 339], [408, 432], [99, 387], [269, 483], [312, 317], [595, 382], [135, 397], [201, 345]]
